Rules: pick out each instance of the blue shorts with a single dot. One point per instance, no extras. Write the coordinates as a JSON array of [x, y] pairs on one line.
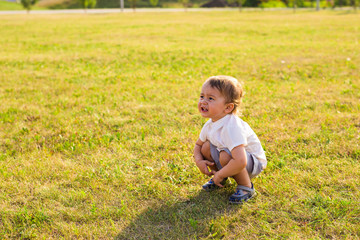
[[253, 166]]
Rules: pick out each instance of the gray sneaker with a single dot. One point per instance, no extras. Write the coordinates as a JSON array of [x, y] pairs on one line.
[[242, 194]]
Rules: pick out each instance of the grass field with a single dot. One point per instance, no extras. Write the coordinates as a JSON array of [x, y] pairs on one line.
[[98, 118], [5, 5]]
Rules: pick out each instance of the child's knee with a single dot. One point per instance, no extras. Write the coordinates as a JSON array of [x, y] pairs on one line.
[[205, 150], [224, 158]]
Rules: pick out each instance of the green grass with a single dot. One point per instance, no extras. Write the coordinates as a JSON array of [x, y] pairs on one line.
[[98, 120], [5, 6]]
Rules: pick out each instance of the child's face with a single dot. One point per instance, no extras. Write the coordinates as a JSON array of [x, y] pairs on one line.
[[212, 103]]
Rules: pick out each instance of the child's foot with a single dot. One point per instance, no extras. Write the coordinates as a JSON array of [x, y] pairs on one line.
[[242, 194], [210, 185]]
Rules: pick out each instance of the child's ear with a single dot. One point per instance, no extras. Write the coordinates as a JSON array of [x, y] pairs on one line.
[[229, 107]]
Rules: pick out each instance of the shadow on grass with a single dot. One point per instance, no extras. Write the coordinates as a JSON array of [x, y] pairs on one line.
[[193, 218]]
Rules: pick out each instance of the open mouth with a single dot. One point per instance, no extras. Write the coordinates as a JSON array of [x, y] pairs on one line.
[[204, 109]]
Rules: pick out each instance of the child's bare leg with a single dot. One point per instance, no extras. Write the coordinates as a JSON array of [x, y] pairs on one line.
[[242, 178], [205, 151], [224, 158]]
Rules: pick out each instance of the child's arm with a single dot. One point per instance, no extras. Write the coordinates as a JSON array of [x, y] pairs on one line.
[[200, 162], [234, 166]]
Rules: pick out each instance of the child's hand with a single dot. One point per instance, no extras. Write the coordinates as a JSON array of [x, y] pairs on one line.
[[217, 179], [203, 166]]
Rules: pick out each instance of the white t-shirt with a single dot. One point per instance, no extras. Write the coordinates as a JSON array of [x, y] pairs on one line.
[[230, 132]]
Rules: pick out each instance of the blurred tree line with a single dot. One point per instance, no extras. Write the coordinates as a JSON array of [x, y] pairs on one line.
[[244, 3], [200, 3]]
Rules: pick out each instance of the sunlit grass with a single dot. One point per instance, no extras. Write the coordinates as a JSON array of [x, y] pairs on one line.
[[98, 119], [5, 6]]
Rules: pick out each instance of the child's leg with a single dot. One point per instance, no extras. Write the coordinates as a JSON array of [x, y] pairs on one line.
[[245, 190], [205, 151], [242, 178]]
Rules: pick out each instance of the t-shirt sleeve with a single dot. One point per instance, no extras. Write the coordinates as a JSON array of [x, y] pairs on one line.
[[234, 137], [204, 131]]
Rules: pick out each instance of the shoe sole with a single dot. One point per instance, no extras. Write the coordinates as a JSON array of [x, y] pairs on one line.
[[241, 201]]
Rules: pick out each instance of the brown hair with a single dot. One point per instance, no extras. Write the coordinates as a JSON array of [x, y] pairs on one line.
[[229, 87]]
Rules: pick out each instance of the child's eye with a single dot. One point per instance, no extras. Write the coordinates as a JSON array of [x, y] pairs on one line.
[[210, 98], [201, 97]]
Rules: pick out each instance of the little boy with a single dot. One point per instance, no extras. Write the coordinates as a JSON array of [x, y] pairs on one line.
[[227, 145]]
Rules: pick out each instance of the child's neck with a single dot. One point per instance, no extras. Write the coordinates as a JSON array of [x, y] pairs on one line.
[[220, 117]]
